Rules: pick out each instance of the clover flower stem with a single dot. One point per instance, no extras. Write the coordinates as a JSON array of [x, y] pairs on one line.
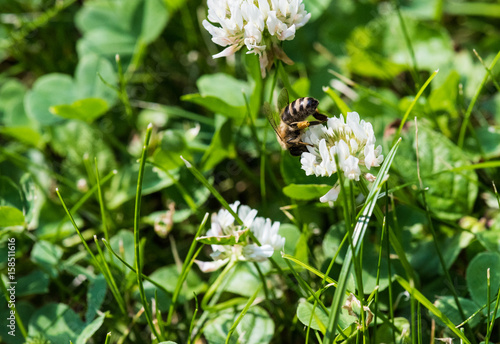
[[242, 314], [215, 285], [263, 279], [188, 262]]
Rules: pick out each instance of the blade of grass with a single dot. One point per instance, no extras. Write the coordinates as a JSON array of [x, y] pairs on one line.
[[433, 309], [412, 105], [191, 326], [109, 276], [311, 269], [85, 197], [465, 123], [409, 46], [117, 296], [101, 204], [359, 232], [488, 70], [137, 250], [473, 8], [108, 338], [344, 109], [367, 90], [286, 81], [156, 284], [379, 268], [122, 90], [493, 318], [305, 286]]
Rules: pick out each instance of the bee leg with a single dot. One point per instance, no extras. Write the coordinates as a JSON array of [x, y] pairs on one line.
[[296, 140], [315, 122], [320, 117], [300, 125]]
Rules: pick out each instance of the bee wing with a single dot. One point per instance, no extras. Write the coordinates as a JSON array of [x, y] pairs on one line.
[[271, 117], [283, 99]]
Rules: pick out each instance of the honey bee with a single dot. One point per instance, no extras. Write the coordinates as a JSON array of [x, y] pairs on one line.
[[293, 121]]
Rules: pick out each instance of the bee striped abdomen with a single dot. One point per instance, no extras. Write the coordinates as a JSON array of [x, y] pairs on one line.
[[299, 109]]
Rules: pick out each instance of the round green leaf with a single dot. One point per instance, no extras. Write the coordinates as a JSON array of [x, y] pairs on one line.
[[306, 192], [292, 236], [450, 195], [448, 307], [10, 194], [91, 76], [218, 327], [36, 282], [85, 109], [47, 256], [476, 276], [244, 279], [10, 216], [56, 322], [319, 320], [167, 276], [107, 43], [385, 332], [490, 240], [90, 329], [25, 135], [49, 90], [95, 296]]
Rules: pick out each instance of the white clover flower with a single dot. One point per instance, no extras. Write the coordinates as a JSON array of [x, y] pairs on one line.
[[351, 142], [257, 24], [224, 228]]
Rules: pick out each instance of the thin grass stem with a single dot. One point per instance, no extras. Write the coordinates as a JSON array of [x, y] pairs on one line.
[[109, 278], [414, 67], [412, 105], [488, 70], [137, 249], [465, 123], [193, 318], [100, 198]]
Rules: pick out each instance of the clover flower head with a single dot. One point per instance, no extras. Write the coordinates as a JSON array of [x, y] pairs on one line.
[[351, 142], [234, 239], [257, 24]]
